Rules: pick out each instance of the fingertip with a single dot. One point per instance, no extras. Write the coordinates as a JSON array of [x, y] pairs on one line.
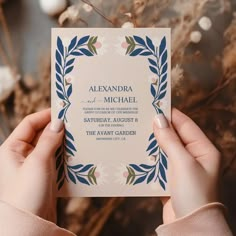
[[160, 121], [167, 138], [57, 125], [49, 142], [178, 116]]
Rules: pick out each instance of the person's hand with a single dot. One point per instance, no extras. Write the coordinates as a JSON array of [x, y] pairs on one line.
[[26, 165], [194, 165]]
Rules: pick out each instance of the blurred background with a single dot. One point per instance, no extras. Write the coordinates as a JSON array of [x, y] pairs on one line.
[[203, 86]]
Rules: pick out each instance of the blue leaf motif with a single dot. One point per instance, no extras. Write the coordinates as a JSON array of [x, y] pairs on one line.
[[58, 57], [140, 179], [71, 176], [162, 184], [153, 151], [60, 95], [152, 145], [70, 145], [137, 168], [69, 135], [151, 137], [162, 171], [64, 91], [69, 69], [163, 160], [162, 95], [158, 65], [163, 86], [146, 53], [77, 54], [76, 167], [58, 69], [159, 111], [152, 62], [136, 52], [58, 77], [153, 90], [162, 46], [59, 87], [69, 91], [60, 46], [60, 172], [86, 168], [86, 52], [61, 113], [147, 167], [164, 69], [58, 152], [139, 40], [83, 40], [151, 176], [82, 180], [58, 161], [70, 62], [72, 44], [150, 44], [153, 69], [61, 184], [69, 151], [164, 58], [163, 78]]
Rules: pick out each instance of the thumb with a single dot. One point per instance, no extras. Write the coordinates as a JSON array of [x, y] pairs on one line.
[[169, 141], [49, 141]]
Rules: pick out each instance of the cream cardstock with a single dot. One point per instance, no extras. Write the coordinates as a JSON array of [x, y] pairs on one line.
[[107, 86]]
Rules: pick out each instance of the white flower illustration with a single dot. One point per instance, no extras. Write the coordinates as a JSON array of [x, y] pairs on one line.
[[151, 160], [100, 174], [163, 104], [121, 46], [69, 79], [100, 46], [121, 174], [59, 104], [152, 79]]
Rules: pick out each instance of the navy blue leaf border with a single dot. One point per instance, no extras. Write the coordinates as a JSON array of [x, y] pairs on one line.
[[158, 65], [64, 65]]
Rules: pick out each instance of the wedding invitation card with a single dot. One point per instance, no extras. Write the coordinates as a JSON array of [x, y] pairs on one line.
[[107, 87]]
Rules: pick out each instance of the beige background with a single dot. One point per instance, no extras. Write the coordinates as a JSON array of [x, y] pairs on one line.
[[111, 69]]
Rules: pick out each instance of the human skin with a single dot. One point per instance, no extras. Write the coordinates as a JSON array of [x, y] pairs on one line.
[[27, 165], [194, 165]]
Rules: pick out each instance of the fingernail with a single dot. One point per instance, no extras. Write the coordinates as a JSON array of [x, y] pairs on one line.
[[161, 122], [56, 125]]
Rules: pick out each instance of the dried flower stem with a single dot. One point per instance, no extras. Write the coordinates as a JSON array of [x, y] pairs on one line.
[[223, 83], [183, 31], [4, 56], [5, 120], [7, 36], [209, 97], [98, 11]]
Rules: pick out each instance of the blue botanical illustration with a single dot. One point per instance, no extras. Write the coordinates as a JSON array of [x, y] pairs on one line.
[[64, 65], [158, 65]]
